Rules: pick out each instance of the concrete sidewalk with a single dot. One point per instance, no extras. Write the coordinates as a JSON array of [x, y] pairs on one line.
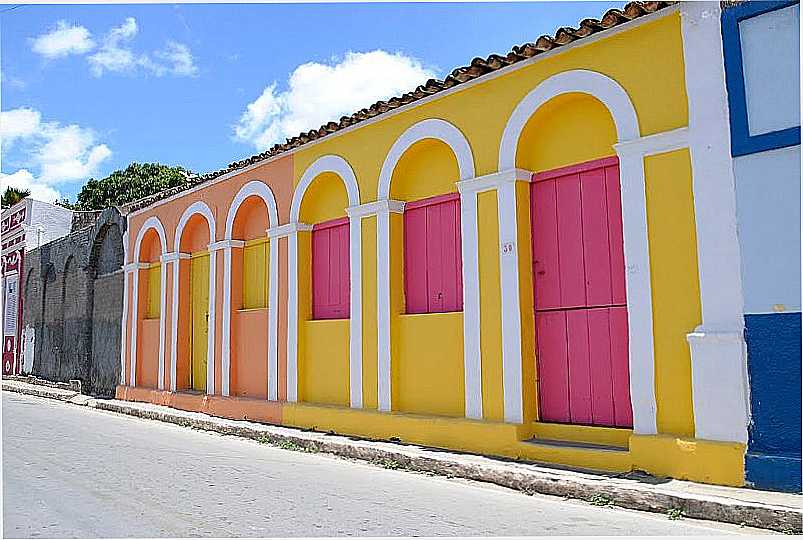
[[763, 509]]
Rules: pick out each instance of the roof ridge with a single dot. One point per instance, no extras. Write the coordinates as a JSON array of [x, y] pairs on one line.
[[477, 68]]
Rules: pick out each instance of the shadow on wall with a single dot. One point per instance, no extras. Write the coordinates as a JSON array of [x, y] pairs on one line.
[[73, 305]]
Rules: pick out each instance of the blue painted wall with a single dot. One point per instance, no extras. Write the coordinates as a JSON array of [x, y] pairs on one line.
[[774, 450]]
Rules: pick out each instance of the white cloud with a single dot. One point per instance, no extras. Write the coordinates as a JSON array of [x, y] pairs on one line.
[[23, 179], [64, 40], [59, 154], [318, 93], [18, 123], [116, 55]]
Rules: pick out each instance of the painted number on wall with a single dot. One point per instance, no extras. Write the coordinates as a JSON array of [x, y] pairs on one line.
[[508, 248]]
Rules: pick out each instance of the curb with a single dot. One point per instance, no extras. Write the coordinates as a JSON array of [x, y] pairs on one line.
[[525, 477]]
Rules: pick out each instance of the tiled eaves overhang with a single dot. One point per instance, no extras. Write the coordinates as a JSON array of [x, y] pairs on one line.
[[478, 67]]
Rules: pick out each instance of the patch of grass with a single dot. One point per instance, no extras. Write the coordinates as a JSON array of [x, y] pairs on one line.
[[388, 463], [674, 513], [601, 500], [788, 531], [286, 444]]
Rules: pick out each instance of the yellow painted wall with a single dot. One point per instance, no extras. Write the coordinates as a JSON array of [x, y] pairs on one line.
[[526, 303], [675, 285], [568, 129], [326, 198], [255, 273], [426, 169], [154, 283]]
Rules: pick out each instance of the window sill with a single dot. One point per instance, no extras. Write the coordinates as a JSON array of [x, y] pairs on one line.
[[249, 310], [328, 320]]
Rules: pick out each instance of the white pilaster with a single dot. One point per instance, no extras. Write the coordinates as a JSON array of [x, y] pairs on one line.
[[718, 351], [174, 258], [225, 353], [472, 356], [355, 311]]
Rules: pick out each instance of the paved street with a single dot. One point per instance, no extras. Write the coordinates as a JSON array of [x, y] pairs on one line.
[[76, 472]]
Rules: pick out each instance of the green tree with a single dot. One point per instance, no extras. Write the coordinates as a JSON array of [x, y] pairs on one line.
[[123, 186], [12, 196]]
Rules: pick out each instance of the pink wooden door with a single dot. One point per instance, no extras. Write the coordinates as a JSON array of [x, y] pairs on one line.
[[579, 287], [330, 270]]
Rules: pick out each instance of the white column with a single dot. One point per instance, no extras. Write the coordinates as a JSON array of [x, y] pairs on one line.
[[355, 311], [210, 341], [134, 268], [174, 258], [225, 356], [504, 182], [511, 307], [472, 356], [124, 321], [273, 320], [162, 307], [383, 210], [291, 230], [718, 351]]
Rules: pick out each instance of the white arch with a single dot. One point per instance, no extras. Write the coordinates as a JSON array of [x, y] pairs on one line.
[[152, 222], [261, 190], [432, 128], [198, 207], [339, 166], [597, 85], [329, 163]]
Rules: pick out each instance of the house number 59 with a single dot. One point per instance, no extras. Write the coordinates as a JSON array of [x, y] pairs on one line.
[[507, 248]]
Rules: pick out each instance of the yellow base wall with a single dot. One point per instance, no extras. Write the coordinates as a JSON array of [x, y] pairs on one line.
[[323, 369], [683, 458]]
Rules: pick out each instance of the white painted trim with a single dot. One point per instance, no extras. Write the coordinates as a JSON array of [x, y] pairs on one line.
[[328, 163], [544, 56], [719, 366], [162, 308], [511, 305], [253, 188], [384, 375], [226, 319], [287, 229], [355, 312], [132, 376], [472, 354], [292, 315], [200, 207], [431, 128], [657, 143], [210, 343], [631, 148], [175, 259], [595, 84], [374, 207], [273, 321], [125, 320], [225, 244], [154, 223], [340, 167], [492, 181], [638, 289], [174, 256]]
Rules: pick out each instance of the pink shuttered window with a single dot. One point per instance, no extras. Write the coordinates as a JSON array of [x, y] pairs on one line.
[[330, 270], [433, 264], [580, 302]]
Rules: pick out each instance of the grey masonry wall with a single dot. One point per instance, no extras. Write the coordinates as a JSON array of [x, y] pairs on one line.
[[73, 303]]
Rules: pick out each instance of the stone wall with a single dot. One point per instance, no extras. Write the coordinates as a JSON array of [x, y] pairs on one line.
[[73, 304]]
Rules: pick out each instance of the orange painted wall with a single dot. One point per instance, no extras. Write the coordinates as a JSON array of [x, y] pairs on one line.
[[148, 353], [249, 353]]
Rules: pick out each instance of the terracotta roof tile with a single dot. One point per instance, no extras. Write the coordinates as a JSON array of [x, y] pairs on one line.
[[477, 68]]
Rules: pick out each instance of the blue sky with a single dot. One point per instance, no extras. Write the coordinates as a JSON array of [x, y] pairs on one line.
[[88, 89]]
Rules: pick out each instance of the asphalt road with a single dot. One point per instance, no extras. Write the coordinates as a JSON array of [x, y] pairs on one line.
[[74, 472]]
